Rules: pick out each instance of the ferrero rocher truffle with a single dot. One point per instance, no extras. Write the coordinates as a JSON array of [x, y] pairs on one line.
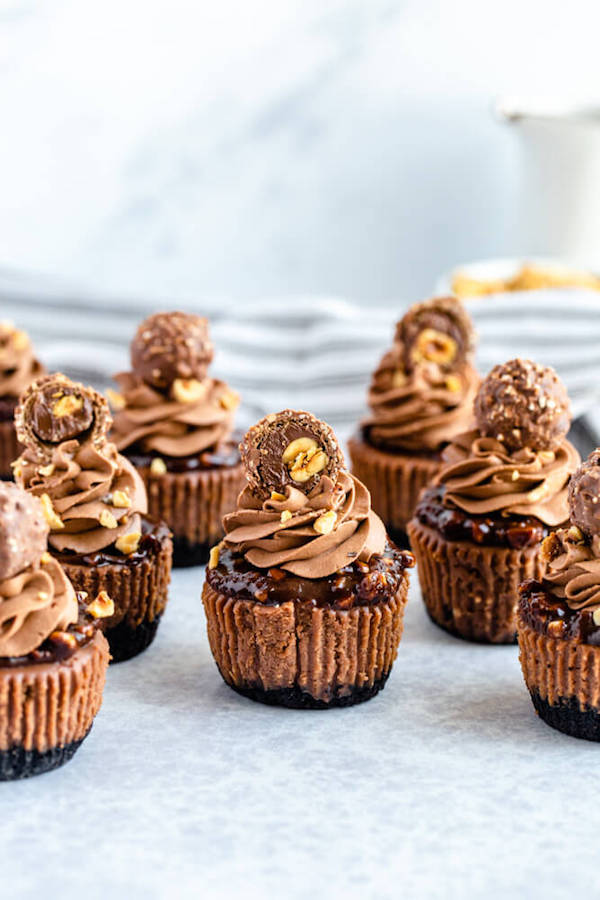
[[584, 495], [23, 530], [436, 331], [292, 448], [54, 409], [171, 345], [523, 404]]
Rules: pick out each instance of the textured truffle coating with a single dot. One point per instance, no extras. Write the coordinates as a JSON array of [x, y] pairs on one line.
[[23, 530], [55, 409], [266, 443], [584, 495], [523, 404], [438, 316], [170, 345]]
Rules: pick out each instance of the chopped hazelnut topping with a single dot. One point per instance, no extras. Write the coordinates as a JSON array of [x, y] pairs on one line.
[[45, 558], [187, 390], [213, 559], [158, 466], [285, 516], [46, 470], [229, 400], [453, 383], [275, 495], [325, 523], [102, 607], [515, 475], [63, 637], [596, 616], [116, 400], [121, 500], [128, 543], [107, 520], [575, 534], [52, 518]]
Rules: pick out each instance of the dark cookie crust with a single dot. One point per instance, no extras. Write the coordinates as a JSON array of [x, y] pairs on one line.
[[523, 404], [126, 642], [186, 554], [18, 763], [569, 717], [264, 445], [296, 698]]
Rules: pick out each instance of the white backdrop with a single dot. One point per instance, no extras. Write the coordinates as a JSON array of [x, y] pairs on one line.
[[242, 150]]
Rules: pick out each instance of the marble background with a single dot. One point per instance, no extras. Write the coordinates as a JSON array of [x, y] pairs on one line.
[[243, 150]]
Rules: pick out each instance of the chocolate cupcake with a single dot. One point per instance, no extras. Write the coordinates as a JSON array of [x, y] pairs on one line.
[[476, 533], [421, 397], [53, 658], [305, 596], [174, 423], [95, 503], [559, 615], [18, 368]]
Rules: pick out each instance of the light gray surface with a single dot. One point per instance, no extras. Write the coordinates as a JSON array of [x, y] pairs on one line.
[[446, 785]]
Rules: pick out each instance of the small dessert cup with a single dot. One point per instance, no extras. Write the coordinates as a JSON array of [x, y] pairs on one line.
[[174, 423], [421, 397], [305, 597], [95, 503], [53, 657], [559, 616], [476, 533]]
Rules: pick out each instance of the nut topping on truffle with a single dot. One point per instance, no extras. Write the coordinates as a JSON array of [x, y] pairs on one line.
[[23, 530], [54, 409], [523, 404], [584, 495], [289, 447], [436, 331], [169, 346]]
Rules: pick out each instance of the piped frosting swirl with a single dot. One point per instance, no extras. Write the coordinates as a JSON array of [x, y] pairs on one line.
[[92, 496], [481, 477], [572, 568], [321, 518], [158, 422]]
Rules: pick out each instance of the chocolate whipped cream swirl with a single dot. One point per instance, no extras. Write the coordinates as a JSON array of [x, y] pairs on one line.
[[157, 422], [422, 410], [312, 535], [33, 604], [573, 571], [482, 476], [87, 486], [18, 365]]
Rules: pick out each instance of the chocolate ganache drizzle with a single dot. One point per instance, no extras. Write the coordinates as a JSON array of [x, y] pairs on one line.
[[487, 473], [92, 496], [422, 393], [168, 404], [301, 511], [36, 597], [18, 365]]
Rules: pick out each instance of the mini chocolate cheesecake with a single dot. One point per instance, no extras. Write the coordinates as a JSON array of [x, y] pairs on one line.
[[95, 504], [305, 596], [476, 533], [53, 657], [559, 616], [174, 423], [421, 397], [18, 368]]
